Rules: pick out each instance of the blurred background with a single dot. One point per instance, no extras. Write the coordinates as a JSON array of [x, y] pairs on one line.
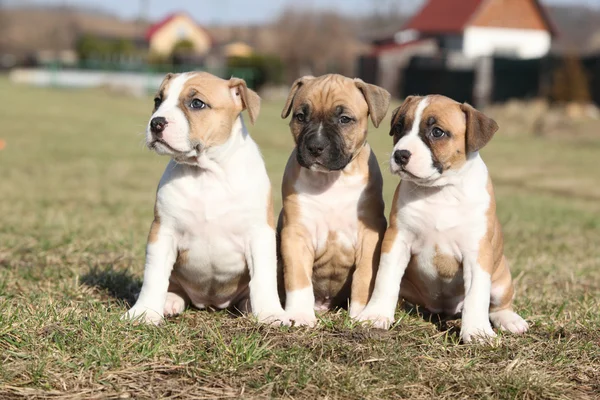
[[482, 52]]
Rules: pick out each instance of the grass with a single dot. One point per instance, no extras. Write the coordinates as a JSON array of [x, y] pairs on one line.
[[76, 203]]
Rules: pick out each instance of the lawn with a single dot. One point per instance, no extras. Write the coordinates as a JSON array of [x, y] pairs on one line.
[[76, 202]]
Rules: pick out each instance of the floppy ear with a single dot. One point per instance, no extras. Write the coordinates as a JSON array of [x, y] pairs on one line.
[[378, 100], [294, 89], [480, 128], [247, 98]]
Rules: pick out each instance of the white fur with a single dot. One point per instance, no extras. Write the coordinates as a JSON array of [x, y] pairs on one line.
[[217, 211], [296, 309], [451, 216], [176, 133]]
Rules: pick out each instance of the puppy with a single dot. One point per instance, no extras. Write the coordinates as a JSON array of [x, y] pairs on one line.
[[332, 221], [212, 242], [444, 248]]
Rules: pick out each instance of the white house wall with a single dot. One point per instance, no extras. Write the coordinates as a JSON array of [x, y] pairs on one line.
[[523, 43]]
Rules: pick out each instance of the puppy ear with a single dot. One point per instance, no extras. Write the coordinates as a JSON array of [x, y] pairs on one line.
[[480, 128], [247, 98], [378, 100], [294, 89]]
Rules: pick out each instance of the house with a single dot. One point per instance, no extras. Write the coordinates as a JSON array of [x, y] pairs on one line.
[[449, 47], [176, 30], [476, 28]]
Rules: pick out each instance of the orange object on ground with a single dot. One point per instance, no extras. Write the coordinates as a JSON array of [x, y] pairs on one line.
[[2, 144]]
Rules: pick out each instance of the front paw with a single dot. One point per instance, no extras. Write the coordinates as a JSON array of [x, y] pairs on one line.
[[481, 332], [140, 314], [273, 317], [375, 318], [300, 318]]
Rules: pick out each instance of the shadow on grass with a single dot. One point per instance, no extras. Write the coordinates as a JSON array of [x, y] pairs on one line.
[[120, 284], [439, 320]]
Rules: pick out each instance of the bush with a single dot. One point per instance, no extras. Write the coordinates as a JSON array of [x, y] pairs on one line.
[[265, 68], [183, 46], [90, 47]]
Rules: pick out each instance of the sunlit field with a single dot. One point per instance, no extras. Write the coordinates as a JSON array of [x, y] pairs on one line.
[[76, 202]]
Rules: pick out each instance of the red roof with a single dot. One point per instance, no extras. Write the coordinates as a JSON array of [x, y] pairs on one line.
[[157, 26], [443, 16]]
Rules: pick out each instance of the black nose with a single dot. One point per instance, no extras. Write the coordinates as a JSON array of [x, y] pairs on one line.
[[157, 125], [316, 144], [401, 157]]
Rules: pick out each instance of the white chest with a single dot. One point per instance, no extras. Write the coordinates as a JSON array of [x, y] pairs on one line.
[[212, 213], [332, 213]]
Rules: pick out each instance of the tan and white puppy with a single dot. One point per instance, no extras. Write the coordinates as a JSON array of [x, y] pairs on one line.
[[443, 249], [212, 242], [332, 221]]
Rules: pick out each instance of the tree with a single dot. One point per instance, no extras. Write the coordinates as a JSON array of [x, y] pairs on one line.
[[571, 83], [316, 43]]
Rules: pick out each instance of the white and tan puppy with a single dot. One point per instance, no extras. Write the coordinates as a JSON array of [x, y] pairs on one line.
[[212, 242], [443, 249], [332, 221]]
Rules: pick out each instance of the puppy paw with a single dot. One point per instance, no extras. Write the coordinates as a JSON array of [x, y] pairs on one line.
[[273, 317], [299, 318], [508, 320], [355, 310], [174, 305], [375, 319], [482, 332], [140, 314]]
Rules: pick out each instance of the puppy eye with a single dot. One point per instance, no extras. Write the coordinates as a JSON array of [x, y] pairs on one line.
[[437, 133], [300, 117], [398, 128], [345, 120], [157, 102], [197, 104]]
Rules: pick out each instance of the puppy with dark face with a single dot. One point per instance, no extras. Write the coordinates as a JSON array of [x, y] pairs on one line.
[[332, 221], [444, 246]]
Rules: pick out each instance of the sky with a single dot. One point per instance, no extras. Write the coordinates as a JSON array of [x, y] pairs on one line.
[[241, 11]]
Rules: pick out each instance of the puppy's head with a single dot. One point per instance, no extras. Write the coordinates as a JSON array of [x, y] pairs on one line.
[[434, 136], [330, 118], [196, 111]]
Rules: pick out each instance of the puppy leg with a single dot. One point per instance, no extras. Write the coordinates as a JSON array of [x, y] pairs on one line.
[[262, 263], [298, 259], [501, 313], [161, 252], [478, 282], [395, 255], [366, 268]]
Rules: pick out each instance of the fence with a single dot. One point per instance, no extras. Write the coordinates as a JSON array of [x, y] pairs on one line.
[[138, 77], [510, 78]]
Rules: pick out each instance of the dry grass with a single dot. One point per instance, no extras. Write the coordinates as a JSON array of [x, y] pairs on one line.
[[77, 195]]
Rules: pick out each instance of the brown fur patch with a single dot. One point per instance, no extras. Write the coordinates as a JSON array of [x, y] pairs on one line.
[[270, 210], [446, 265], [155, 227], [332, 271]]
